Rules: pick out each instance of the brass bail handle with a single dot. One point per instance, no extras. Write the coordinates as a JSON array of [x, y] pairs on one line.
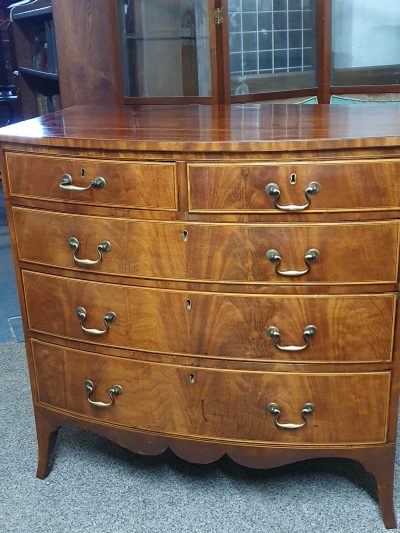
[[66, 183], [102, 247], [114, 391], [274, 333], [275, 258], [275, 411], [108, 318], [273, 191]]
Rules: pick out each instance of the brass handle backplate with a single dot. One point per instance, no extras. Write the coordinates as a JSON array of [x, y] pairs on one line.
[[273, 191], [116, 390], [275, 334], [103, 246], [67, 185], [310, 256], [108, 318], [275, 411]]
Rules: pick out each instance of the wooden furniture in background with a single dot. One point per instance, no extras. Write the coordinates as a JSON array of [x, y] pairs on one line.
[[93, 48], [87, 70], [216, 280], [9, 99], [36, 56], [88, 55]]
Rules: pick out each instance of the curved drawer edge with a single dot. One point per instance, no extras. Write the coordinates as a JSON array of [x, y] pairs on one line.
[[215, 404]]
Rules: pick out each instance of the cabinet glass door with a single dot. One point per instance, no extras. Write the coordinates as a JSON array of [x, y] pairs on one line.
[[365, 42], [272, 45], [165, 48]]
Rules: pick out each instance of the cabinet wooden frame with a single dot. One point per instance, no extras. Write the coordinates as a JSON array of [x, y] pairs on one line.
[[96, 43], [220, 72]]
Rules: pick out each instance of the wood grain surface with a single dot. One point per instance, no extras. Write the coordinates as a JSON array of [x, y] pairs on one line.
[[228, 253], [350, 408], [87, 52], [354, 185], [128, 184], [217, 325], [236, 128]]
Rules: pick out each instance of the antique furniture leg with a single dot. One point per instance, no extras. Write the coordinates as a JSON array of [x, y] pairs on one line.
[[382, 468], [47, 433]]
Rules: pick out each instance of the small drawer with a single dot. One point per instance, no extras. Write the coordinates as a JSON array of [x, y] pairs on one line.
[[278, 254], [230, 326], [294, 187], [138, 185], [325, 409]]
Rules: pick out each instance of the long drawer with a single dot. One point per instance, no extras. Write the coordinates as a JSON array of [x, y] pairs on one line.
[[229, 253], [140, 185], [247, 187], [231, 326], [350, 408]]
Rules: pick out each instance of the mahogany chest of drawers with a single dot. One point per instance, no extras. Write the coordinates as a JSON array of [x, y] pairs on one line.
[[212, 280]]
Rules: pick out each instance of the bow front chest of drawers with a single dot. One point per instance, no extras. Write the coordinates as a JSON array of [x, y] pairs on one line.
[[212, 280]]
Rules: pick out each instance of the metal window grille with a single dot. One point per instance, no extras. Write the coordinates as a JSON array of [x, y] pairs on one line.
[[270, 36]]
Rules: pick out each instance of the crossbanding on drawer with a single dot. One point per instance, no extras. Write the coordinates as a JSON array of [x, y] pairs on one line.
[[231, 326], [296, 408], [328, 253], [141, 185], [293, 187]]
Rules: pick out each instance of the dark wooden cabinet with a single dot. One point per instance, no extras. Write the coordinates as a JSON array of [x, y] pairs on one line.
[[66, 54], [35, 49]]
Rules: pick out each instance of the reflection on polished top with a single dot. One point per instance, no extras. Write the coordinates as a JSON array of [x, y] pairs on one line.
[[213, 128]]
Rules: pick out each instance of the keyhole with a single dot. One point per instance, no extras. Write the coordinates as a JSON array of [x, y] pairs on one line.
[[82, 172], [192, 378], [185, 235], [293, 179], [188, 305]]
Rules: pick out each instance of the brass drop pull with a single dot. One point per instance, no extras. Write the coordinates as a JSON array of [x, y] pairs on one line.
[[116, 390], [275, 334], [273, 191], [103, 246], [275, 411], [310, 256], [67, 185], [108, 318]]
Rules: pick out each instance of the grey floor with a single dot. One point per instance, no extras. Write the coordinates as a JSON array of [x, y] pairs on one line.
[[98, 487], [10, 314]]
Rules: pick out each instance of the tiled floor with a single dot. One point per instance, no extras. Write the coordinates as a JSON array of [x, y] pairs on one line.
[[10, 313]]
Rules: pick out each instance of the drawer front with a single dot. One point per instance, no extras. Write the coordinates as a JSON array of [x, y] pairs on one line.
[[215, 325], [354, 186], [349, 408], [127, 184], [227, 253]]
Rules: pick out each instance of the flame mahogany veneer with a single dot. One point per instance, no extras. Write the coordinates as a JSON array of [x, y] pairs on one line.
[[216, 280]]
